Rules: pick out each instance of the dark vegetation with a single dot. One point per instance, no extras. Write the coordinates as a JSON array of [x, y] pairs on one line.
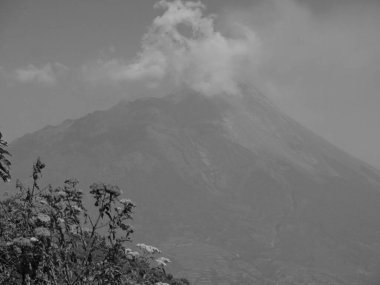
[[4, 162], [48, 237]]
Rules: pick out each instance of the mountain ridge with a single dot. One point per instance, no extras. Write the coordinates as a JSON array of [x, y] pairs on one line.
[[252, 196]]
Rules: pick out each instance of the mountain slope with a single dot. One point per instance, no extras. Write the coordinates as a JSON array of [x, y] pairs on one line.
[[232, 189]]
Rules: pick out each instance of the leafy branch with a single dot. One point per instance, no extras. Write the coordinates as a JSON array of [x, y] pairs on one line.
[[47, 236], [4, 162]]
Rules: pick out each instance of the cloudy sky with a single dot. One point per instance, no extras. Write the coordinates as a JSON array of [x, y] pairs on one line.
[[318, 60]]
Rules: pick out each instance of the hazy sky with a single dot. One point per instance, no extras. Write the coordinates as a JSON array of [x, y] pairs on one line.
[[319, 60]]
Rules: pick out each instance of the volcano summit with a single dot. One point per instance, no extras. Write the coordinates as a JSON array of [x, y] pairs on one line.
[[233, 190]]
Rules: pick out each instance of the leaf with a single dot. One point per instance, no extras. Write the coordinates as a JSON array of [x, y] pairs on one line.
[[22, 242], [43, 218], [42, 232]]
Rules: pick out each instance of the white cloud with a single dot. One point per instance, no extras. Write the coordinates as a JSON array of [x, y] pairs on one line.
[[183, 47], [310, 57], [117, 70], [47, 74]]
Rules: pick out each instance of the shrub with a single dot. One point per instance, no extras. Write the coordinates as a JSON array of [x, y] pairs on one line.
[[47, 236], [4, 162]]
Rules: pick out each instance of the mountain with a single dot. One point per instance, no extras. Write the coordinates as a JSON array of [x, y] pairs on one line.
[[231, 189]]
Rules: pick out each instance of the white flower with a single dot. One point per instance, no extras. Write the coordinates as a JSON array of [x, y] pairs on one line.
[[33, 239], [62, 194], [74, 229], [43, 218], [130, 252], [42, 232], [148, 248], [127, 202], [43, 201], [163, 261], [77, 208], [86, 230]]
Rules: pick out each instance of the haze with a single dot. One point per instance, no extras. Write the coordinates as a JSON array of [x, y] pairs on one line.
[[318, 60]]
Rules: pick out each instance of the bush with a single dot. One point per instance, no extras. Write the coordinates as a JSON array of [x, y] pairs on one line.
[[4, 162], [48, 237]]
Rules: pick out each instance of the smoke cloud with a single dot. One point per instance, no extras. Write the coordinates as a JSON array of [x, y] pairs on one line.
[[48, 74], [183, 48], [307, 55], [309, 61]]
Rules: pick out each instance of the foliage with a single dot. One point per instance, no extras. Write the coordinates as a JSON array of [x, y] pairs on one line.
[[4, 162], [48, 237]]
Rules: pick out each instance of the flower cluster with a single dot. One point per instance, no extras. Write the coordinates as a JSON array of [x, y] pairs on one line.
[[48, 237], [163, 261], [148, 248], [127, 202], [131, 254]]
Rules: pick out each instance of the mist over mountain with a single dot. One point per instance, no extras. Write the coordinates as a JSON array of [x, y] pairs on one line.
[[233, 190]]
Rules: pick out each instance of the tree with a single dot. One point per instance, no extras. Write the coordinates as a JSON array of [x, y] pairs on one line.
[[47, 236], [4, 162]]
